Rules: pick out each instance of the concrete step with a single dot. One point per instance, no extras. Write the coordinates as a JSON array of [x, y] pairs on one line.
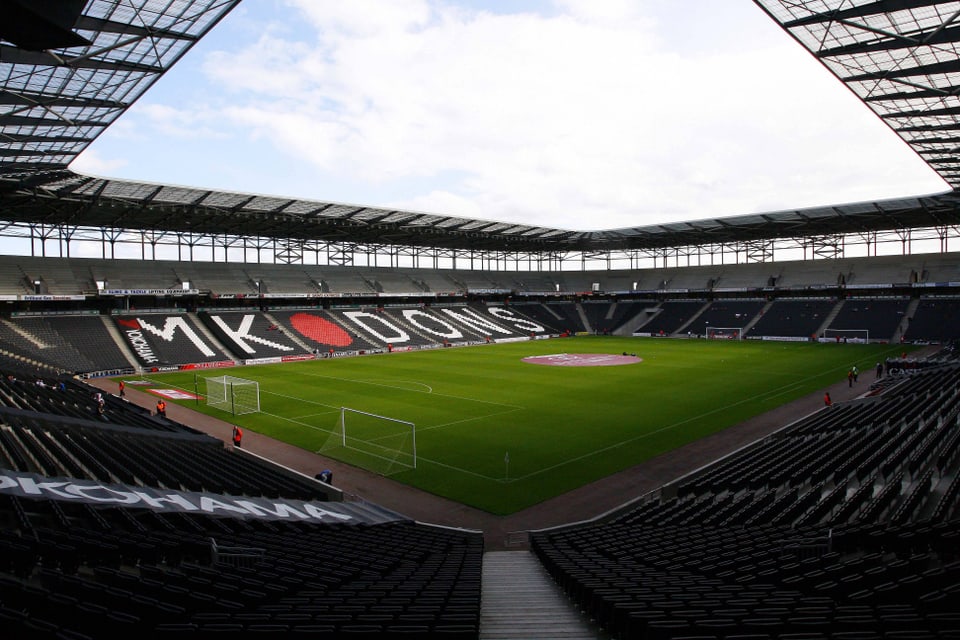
[[521, 600]]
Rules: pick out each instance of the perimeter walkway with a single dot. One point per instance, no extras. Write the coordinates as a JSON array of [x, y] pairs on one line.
[[521, 601]]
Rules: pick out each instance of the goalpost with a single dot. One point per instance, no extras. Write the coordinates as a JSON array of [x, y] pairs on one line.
[[724, 333], [236, 395], [846, 335], [379, 443]]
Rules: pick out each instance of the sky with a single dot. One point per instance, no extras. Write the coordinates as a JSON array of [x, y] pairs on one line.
[[573, 114]]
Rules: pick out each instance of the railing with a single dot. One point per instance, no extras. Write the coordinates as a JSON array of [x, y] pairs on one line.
[[235, 556]]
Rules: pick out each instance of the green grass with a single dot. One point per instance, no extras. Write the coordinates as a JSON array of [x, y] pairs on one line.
[[562, 427]]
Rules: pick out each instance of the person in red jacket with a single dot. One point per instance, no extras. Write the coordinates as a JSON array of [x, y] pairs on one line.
[[237, 436]]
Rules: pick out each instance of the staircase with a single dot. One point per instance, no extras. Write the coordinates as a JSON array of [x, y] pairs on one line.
[[212, 340], [520, 600], [290, 334], [905, 322], [755, 319], [583, 318], [690, 323], [111, 328], [830, 316]]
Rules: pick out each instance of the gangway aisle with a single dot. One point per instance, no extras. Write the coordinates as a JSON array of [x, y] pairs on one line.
[[520, 600]]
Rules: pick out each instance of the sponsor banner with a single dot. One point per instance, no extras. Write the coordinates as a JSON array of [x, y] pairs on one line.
[[138, 383], [174, 394], [936, 284], [148, 292], [783, 338], [901, 367], [273, 360], [642, 334], [302, 356], [43, 297], [413, 294], [207, 365], [504, 340], [37, 314], [107, 372], [489, 291], [30, 485]]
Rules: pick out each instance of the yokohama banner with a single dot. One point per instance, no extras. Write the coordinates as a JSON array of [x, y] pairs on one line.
[[29, 485]]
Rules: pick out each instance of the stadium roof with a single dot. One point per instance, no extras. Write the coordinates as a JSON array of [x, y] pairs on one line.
[[65, 77]]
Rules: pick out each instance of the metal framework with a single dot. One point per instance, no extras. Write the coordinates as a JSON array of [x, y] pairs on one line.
[[61, 89]]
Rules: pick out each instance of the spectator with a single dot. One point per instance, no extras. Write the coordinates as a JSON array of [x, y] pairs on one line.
[[237, 436], [879, 370], [123, 388], [325, 476], [826, 399], [161, 408]]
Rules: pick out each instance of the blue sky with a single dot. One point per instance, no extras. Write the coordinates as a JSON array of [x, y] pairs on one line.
[[575, 113]]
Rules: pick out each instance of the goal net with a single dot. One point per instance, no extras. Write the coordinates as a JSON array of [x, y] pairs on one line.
[[378, 443], [236, 395], [725, 333], [846, 335]]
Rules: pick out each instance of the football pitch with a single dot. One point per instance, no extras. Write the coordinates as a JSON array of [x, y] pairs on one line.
[[499, 433]]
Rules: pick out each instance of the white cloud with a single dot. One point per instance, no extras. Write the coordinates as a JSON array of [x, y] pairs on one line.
[[92, 163], [584, 117], [364, 18]]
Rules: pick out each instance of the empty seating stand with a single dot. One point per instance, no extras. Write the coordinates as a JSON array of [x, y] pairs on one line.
[[73, 569], [844, 522]]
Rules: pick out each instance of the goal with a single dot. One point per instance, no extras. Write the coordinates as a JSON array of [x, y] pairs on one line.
[[378, 443], [846, 335], [236, 395], [724, 333]]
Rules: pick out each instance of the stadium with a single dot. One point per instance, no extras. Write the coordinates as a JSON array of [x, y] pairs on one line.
[[740, 427]]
